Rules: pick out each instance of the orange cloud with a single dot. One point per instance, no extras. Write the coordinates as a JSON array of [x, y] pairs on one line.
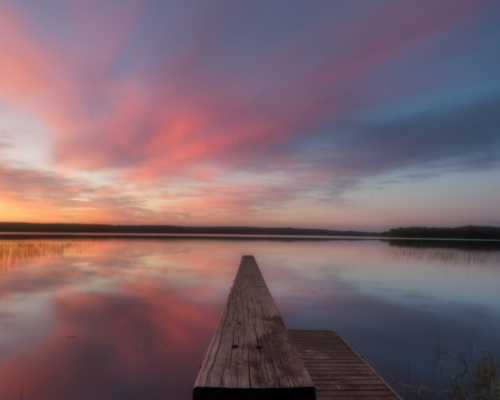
[[204, 113]]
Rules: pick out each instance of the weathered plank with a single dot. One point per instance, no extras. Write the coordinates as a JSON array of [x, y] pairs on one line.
[[252, 355], [337, 371]]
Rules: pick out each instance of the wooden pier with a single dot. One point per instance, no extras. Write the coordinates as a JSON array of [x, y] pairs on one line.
[[253, 356], [336, 370]]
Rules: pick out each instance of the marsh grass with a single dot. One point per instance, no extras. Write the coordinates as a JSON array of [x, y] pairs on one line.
[[16, 253], [472, 378], [477, 380]]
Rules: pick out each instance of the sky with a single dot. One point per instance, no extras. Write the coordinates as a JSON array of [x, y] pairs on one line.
[[330, 114]]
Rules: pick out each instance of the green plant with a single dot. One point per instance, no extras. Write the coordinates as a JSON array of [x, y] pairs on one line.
[[478, 380]]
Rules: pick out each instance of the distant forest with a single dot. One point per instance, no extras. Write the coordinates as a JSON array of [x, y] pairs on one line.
[[463, 232], [171, 229]]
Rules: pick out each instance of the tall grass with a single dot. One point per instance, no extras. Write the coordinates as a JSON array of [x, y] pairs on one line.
[[16, 253], [472, 378], [477, 380]]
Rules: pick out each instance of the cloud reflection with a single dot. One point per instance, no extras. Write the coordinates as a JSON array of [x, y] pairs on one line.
[[142, 312], [140, 330], [142, 342]]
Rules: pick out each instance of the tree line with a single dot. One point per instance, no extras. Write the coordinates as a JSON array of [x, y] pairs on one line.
[[170, 229], [462, 232]]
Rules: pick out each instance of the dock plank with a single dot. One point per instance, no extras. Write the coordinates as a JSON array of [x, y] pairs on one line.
[[336, 370], [252, 355]]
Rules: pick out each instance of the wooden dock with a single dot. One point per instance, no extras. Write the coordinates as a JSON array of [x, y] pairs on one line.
[[336, 370], [253, 356]]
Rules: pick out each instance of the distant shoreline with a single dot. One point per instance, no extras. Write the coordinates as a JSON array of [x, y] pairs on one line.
[[465, 232], [18, 227]]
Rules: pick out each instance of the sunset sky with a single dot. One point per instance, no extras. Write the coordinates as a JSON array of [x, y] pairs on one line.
[[347, 114]]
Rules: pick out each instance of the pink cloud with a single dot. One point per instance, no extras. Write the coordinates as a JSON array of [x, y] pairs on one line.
[[168, 123], [185, 109], [182, 120]]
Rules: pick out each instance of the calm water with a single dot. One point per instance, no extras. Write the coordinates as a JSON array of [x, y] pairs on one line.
[[132, 319]]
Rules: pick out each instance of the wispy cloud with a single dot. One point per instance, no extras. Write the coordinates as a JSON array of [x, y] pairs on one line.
[[328, 96]]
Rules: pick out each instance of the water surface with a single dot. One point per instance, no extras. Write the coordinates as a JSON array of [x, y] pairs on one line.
[[120, 318]]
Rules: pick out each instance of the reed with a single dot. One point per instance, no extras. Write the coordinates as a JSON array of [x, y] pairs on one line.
[[477, 380], [472, 378], [16, 253]]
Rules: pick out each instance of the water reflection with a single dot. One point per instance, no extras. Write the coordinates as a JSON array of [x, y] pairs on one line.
[[456, 253], [143, 342], [19, 252], [122, 320], [132, 319]]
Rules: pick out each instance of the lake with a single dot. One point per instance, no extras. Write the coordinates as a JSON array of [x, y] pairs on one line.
[[119, 318]]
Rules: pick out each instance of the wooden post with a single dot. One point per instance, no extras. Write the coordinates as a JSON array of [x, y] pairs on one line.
[[252, 355]]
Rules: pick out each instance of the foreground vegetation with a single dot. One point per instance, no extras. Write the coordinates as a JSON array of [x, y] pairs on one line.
[[472, 378], [478, 380]]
